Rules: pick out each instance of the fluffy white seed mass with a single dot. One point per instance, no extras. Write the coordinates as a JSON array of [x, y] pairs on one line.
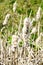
[[25, 30], [27, 21], [32, 21], [34, 30], [12, 48], [26, 25], [14, 7], [38, 14], [6, 19], [14, 40]]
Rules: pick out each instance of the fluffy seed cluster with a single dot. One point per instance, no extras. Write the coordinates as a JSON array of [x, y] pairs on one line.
[[38, 14], [6, 19], [14, 7], [25, 30]]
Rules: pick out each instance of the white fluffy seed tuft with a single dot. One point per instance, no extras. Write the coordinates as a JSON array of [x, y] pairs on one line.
[[34, 30], [14, 7], [6, 19], [38, 14]]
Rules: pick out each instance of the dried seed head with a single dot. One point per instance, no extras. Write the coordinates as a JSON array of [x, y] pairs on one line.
[[14, 40], [6, 19], [12, 48], [27, 21], [34, 30], [38, 14], [7, 16], [14, 7]]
